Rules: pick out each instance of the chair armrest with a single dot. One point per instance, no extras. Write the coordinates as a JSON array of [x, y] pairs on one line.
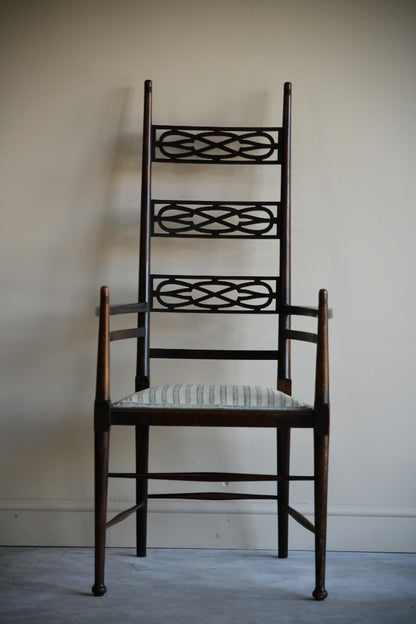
[[305, 336], [304, 311], [322, 358], [105, 336], [125, 308]]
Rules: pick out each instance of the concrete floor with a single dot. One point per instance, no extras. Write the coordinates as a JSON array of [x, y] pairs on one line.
[[51, 585]]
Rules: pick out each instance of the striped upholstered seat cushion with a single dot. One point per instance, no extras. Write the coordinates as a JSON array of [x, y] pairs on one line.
[[207, 396]]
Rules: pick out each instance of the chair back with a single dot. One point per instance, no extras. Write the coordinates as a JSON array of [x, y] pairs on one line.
[[176, 218]]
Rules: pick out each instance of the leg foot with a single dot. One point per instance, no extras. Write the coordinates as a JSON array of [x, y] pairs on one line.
[[99, 590], [320, 593]]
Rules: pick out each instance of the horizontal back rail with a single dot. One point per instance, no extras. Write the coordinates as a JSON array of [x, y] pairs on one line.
[[215, 354], [210, 144]]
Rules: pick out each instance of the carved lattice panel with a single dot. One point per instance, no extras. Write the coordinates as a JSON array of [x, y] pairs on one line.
[[215, 219], [198, 293], [204, 144]]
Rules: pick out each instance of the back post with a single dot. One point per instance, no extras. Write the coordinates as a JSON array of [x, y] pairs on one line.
[[142, 366], [284, 381]]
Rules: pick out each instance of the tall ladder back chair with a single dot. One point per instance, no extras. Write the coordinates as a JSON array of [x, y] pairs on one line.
[[207, 405]]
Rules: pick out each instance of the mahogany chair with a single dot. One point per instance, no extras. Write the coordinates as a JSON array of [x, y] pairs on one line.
[[207, 405]]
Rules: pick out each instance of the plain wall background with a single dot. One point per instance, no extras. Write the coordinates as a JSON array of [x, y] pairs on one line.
[[71, 112]]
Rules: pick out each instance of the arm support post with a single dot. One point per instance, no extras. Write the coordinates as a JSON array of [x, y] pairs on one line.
[[322, 360], [102, 393]]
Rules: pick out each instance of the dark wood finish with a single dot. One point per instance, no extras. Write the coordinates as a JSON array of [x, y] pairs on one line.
[[214, 294], [300, 311], [142, 459], [102, 391], [301, 519], [215, 496], [124, 308], [283, 470], [143, 320], [302, 418], [215, 354], [101, 447], [304, 311], [321, 445], [322, 353], [321, 451], [122, 334], [210, 476], [300, 335], [284, 382], [212, 145], [123, 515], [101, 440], [129, 308], [215, 219]]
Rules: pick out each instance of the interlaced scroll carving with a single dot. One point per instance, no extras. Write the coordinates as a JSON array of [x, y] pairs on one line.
[[215, 219], [200, 144], [186, 293]]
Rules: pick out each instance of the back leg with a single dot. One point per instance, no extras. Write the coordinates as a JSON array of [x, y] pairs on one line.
[[283, 466], [142, 460]]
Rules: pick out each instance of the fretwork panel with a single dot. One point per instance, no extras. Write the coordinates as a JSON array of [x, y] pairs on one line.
[[215, 219], [205, 144], [200, 293]]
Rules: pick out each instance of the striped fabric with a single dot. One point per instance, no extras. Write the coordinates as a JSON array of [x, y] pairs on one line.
[[206, 396]]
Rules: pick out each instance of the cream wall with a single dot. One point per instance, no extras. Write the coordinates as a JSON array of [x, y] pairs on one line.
[[71, 79]]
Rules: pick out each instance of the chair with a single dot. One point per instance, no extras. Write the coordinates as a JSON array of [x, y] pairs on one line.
[[206, 405]]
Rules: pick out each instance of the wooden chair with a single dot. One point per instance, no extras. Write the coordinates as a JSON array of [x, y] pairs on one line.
[[206, 405]]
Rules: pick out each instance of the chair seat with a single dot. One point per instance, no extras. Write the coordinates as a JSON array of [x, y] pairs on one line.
[[210, 396]]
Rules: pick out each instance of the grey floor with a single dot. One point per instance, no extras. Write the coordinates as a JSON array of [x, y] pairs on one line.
[[52, 585]]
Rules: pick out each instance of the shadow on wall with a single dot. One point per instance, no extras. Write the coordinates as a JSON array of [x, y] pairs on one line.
[[48, 375], [55, 350]]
